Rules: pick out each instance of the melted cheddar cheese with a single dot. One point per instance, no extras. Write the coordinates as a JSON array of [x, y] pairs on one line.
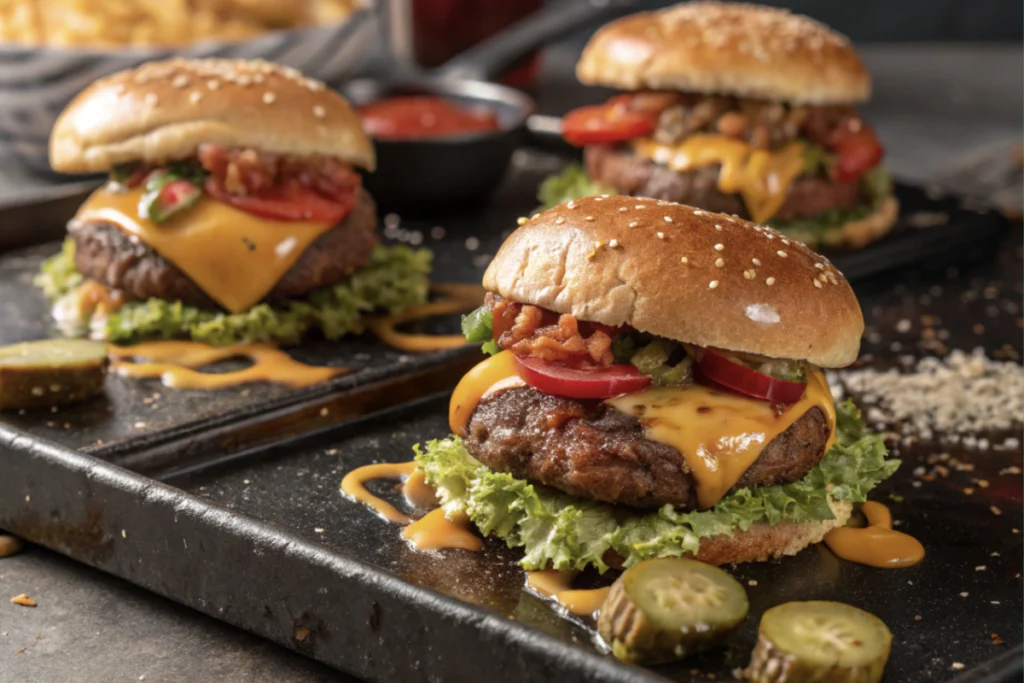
[[484, 377], [760, 176], [720, 435], [233, 256]]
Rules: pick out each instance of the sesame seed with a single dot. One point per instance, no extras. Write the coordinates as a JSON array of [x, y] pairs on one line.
[[269, 97], [816, 283], [756, 261], [661, 235], [622, 209], [712, 284], [195, 96], [534, 216], [781, 253], [719, 263], [819, 266], [750, 274], [698, 212], [521, 220], [639, 206], [559, 220], [957, 666], [668, 219], [180, 81], [719, 247], [319, 112], [212, 84], [684, 260], [633, 224], [770, 281], [151, 99], [614, 244], [571, 205], [243, 81], [589, 219], [785, 241], [598, 244], [718, 227]]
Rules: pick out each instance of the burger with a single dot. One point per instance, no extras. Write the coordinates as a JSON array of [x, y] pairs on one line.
[[655, 390], [733, 108], [233, 211]]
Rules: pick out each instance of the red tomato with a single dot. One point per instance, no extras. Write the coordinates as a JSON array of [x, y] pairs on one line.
[[858, 152], [290, 202], [176, 192], [719, 370], [605, 123], [557, 380]]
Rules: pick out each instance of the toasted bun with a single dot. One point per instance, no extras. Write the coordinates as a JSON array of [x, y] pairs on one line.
[[683, 273], [164, 110], [763, 542], [727, 48], [861, 232]]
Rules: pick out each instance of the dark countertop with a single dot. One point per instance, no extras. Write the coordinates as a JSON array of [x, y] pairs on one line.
[[933, 105]]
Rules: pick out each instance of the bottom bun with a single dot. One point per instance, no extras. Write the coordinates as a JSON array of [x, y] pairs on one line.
[[856, 234], [762, 542]]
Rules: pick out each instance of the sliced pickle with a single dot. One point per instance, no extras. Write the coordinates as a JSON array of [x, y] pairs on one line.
[[808, 642], [662, 610], [51, 372]]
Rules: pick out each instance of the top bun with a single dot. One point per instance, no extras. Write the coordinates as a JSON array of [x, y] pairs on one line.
[[691, 275], [163, 111], [727, 49]]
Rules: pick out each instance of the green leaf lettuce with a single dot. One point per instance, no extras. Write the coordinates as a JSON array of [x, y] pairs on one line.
[[564, 532], [394, 278]]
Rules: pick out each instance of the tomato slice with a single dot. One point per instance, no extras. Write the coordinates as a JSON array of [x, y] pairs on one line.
[[558, 380], [289, 202], [605, 123], [718, 370], [858, 152]]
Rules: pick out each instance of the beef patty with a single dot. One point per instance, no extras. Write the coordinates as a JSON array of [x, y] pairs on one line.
[[631, 174], [592, 450], [107, 254]]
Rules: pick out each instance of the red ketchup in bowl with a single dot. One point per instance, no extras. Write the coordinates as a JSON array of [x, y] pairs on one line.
[[417, 117]]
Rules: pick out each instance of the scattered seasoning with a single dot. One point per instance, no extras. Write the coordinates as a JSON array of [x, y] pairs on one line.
[[23, 600]]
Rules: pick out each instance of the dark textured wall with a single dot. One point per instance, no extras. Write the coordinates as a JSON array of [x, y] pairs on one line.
[[911, 20]]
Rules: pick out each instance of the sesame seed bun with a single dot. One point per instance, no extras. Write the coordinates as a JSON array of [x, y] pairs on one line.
[[727, 48], [694, 276], [163, 111]]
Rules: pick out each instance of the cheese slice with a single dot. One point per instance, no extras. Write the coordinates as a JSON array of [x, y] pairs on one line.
[[485, 376], [233, 256], [760, 176], [719, 434]]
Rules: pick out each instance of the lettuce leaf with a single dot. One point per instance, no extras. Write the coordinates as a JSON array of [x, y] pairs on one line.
[[572, 183], [394, 278], [564, 532], [478, 327]]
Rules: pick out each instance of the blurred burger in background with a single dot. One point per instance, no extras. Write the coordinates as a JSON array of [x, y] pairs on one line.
[[734, 108], [232, 213], [96, 23]]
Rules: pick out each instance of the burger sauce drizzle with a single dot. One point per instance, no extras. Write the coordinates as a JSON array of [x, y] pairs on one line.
[[177, 365], [433, 531], [877, 544], [558, 585]]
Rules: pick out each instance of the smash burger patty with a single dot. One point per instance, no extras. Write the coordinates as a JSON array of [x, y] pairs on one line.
[[592, 450], [628, 173], [105, 253]]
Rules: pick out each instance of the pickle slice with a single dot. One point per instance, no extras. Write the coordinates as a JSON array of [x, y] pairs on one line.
[[662, 610], [51, 372], [808, 642]]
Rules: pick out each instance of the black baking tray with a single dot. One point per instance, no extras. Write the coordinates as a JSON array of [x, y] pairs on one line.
[[228, 501]]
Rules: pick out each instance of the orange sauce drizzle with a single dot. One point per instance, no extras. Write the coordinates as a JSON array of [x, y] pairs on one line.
[[354, 486], [418, 492], [434, 531], [877, 544], [177, 365], [460, 298], [558, 585]]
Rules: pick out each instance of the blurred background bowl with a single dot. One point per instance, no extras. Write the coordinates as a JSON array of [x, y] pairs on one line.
[[36, 82]]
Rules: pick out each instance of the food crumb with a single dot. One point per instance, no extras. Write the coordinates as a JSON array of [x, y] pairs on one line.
[[752, 582], [917, 617], [957, 666], [964, 594], [995, 511], [10, 545], [23, 600], [140, 425], [318, 530], [996, 640], [324, 412]]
